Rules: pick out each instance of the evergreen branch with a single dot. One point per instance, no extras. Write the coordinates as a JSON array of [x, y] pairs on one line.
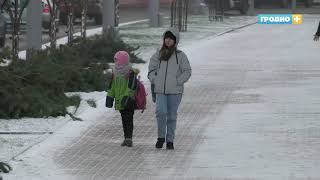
[[74, 118]]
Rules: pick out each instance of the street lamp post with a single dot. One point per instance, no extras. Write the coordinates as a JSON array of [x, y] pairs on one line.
[[34, 28], [251, 8], [293, 5], [109, 16], [154, 13]]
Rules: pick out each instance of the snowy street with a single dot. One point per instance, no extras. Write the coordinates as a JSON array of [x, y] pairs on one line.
[[250, 112]]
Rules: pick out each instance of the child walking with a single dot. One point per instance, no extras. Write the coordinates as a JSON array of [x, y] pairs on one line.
[[122, 90]]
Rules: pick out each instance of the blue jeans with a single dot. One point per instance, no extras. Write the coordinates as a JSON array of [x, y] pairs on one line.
[[166, 113]]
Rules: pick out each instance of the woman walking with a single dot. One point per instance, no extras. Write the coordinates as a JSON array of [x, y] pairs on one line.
[[169, 69]]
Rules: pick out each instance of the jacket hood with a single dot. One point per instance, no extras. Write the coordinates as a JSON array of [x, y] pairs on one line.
[[175, 32]]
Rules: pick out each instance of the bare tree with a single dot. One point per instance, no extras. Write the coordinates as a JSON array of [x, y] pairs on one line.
[[69, 5], [84, 10], [54, 10], [15, 12], [179, 14]]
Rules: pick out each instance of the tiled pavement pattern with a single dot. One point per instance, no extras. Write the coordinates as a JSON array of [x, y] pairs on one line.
[[98, 155]]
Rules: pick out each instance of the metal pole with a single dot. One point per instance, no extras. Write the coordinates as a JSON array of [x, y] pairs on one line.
[[180, 15], [251, 8], [34, 28], [154, 13], [108, 16], [285, 4], [293, 5], [117, 13]]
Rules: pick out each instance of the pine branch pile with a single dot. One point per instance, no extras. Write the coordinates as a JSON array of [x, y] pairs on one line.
[[36, 87]]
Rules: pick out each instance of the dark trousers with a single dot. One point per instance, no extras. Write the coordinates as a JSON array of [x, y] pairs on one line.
[[127, 122]]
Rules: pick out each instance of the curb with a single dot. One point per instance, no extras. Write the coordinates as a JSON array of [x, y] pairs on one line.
[[234, 29]]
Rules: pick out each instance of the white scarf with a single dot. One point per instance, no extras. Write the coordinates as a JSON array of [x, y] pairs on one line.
[[122, 70]]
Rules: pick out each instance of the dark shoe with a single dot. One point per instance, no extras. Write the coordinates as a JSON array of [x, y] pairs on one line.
[[127, 142], [124, 143], [160, 143], [170, 145]]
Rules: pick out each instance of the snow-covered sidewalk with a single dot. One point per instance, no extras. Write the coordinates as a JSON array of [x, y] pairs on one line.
[[250, 111], [134, 33]]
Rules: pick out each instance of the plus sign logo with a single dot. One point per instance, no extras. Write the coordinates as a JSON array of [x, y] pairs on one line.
[[279, 19], [296, 19]]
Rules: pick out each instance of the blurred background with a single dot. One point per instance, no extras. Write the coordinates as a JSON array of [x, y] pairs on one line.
[[133, 10]]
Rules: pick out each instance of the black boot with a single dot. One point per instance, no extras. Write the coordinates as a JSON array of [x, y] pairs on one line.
[[159, 143], [170, 145], [127, 142], [124, 143]]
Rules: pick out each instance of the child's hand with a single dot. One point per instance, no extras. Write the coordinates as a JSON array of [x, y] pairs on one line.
[[109, 102]]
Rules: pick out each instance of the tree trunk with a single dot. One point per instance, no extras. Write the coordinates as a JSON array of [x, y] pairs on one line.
[[15, 14], [15, 39], [70, 23], [180, 15], [15, 30], [53, 23], [117, 16], [84, 4]]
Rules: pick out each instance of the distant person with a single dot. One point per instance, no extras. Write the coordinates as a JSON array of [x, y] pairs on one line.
[[169, 69], [317, 35], [122, 90]]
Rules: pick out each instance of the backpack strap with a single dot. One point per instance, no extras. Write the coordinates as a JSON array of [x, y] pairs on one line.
[[176, 56], [132, 80], [159, 59]]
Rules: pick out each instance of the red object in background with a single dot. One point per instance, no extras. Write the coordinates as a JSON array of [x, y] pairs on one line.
[[46, 8]]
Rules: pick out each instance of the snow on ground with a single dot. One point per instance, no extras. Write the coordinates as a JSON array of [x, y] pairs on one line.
[[267, 131], [270, 127], [134, 33], [137, 33]]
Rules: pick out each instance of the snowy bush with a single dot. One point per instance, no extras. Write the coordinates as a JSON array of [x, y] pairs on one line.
[[36, 87]]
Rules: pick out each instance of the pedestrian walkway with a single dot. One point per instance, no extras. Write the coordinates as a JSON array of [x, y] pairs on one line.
[[250, 111]]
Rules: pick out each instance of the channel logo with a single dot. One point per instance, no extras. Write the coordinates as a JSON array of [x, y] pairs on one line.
[[279, 19]]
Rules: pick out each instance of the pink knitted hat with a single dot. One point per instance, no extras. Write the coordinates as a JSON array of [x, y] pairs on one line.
[[121, 58]]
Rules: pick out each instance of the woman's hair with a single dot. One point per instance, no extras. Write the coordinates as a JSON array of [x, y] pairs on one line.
[[165, 51]]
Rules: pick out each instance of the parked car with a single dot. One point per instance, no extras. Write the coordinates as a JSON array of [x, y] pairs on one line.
[[45, 15], [94, 11]]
